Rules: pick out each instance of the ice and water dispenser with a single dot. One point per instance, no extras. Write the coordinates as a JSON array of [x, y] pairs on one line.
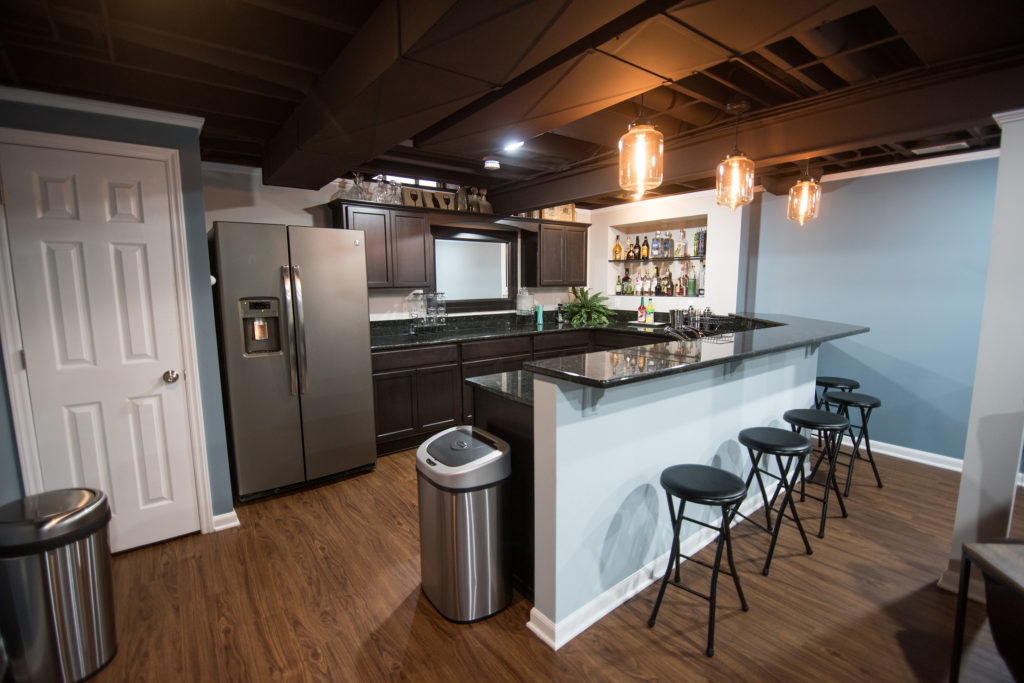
[[261, 325]]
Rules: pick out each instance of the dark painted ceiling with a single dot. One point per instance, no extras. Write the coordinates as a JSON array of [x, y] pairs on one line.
[[314, 89]]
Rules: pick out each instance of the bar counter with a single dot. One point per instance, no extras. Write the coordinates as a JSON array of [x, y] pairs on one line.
[[604, 426]]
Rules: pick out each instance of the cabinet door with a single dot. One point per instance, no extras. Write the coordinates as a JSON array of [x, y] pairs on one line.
[[438, 397], [373, 222], [552, 248], [394, 399], [412, 250], [575, 255]]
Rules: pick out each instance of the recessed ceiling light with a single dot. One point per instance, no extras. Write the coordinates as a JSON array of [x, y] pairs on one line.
[[949, 147], [514, 145], [492, 164]]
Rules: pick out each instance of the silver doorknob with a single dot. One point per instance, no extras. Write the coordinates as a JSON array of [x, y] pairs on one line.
[[171, 376]]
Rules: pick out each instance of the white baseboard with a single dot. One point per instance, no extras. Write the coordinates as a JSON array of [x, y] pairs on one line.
[[924, 457], [558, 634], [227, 520]]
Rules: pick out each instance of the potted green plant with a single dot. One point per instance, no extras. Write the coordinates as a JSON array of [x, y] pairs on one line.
[[588, 309]]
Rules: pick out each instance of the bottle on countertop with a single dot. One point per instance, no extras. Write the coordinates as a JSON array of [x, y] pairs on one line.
[[559, 317], [645, 249], [650, 310], [618, 288], [641, 312], [656, 245], [617, 250]]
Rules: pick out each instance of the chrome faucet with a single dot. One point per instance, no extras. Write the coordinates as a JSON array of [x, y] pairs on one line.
[[684, 333]]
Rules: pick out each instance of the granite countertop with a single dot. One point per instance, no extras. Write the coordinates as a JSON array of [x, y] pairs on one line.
[[498, 327], [516, 385], [606, 369]]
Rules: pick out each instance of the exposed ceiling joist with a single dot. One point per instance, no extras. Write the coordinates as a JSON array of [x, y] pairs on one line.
[[835, 123]]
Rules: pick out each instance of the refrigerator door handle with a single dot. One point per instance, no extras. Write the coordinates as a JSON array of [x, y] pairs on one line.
[[300, 324], [286, 282]]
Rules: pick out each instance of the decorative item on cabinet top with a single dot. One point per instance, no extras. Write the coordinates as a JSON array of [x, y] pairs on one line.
[[562, 212]]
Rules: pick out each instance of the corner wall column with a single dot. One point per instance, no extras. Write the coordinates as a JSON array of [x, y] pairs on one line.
[[995, 429]]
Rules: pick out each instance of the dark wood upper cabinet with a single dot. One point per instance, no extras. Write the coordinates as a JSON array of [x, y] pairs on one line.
[[555, 255], [375, 223], [399, 247], [412, 250]]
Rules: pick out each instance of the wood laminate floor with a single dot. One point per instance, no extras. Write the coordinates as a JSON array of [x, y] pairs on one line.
[[323, 585]]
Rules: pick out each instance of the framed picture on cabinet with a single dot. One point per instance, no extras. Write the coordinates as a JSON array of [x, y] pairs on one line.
[[563, 212]]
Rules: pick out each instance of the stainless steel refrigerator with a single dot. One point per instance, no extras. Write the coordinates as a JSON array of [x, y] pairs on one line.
[[294, 336]]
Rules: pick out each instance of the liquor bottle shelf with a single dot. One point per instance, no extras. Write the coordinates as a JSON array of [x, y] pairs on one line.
[[649, 260]]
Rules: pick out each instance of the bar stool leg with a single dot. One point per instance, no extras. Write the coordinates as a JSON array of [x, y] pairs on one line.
[[832, 444], [712, 597], [755, 471], [673, 558], [867, 444], [728, 549], [787, 499]]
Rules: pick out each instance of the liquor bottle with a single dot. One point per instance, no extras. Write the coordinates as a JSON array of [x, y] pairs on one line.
[[691, 287], [617, 250], [685, 283], [657, 283], [656, 244], [650, 282], [618, 286], [700, 280], [650, 309], [641, 312], [636, 248], [682, 238], [680, 288], [645, 249], [629, 251]]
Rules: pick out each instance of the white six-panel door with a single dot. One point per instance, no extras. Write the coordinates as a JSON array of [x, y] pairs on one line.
[[92, 263]]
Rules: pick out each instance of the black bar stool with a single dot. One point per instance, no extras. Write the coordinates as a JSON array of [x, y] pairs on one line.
[[865, 403], [702, 485], [832, 426], [784, 445], [828, 383]]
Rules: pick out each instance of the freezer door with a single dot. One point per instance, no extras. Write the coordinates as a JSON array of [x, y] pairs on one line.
[[333, 342], [263, 412]]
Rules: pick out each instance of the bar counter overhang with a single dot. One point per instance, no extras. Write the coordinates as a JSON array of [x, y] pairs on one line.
[[607, 423]]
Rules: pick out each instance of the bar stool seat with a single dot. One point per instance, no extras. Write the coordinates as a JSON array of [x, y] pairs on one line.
[[832, 383], [702, 485], [832, 426], [865, 403], [786, 445]]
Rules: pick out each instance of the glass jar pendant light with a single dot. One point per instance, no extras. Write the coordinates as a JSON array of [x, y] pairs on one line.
[[734, 181], [641, 154], [804, 199]]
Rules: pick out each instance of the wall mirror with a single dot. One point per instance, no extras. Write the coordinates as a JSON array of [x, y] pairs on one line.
[[475, 268]]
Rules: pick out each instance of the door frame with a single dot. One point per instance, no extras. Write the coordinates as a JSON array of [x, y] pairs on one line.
[[10, 325]]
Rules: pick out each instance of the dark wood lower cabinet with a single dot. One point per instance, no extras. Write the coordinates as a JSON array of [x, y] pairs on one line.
[[420, 391]]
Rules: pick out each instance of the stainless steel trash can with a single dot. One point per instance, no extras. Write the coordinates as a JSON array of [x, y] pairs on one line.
[[463, 475], [56, 592]]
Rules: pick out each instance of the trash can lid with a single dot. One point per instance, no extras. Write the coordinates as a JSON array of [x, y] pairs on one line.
[[48, 520], [464, 458]]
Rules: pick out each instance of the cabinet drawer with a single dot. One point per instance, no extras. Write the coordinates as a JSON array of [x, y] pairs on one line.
[[493, 348], [561, 340], [412, 358]]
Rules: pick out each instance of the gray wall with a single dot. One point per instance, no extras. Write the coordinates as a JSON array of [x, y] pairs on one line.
[[905, 253], [186, 141]]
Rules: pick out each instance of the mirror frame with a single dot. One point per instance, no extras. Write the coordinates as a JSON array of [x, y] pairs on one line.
[[509, 237]]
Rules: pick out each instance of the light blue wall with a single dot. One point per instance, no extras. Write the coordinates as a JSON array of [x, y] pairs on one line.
[[904, 253], [186, 141]]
